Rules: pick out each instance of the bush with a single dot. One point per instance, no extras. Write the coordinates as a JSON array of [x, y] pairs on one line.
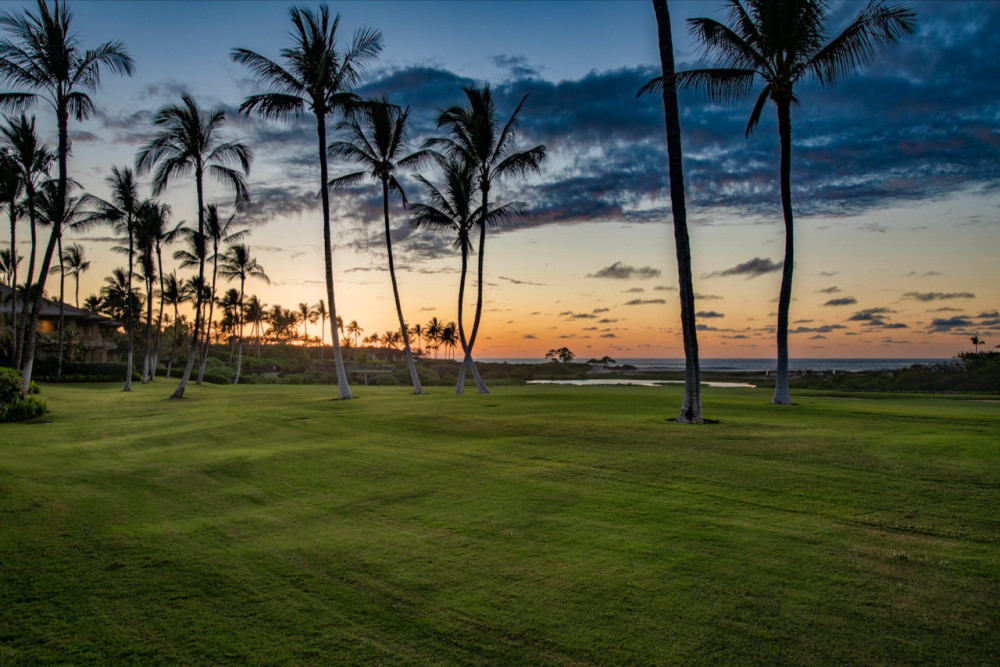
[[14, 407], [387, 379], [28, 407], [81, 371]]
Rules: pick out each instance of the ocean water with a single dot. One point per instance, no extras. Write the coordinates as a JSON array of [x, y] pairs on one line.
[[759, 365]]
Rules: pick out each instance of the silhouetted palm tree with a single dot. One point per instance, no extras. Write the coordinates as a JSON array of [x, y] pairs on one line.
[[43, 55], [30, 160], [121, 212], [76, 262], [475, 139], [253, 312], [783, 44], [452, 210], [691, 406], [320, 309], [172, 294], [376, 139], [306, 314], [155, 223], [188, 142], [218, 232], [10, 192], [317, 76], [238, 263]]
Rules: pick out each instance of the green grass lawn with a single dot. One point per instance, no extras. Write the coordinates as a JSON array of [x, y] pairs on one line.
[[536, 525]]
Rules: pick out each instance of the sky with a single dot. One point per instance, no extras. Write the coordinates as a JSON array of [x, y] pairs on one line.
[[895, 177]]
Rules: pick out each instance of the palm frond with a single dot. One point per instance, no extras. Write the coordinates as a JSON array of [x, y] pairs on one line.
[[722, 86]]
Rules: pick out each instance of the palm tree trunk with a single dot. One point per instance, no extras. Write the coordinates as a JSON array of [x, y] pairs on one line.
[[691, 406], [147, 364], [342, 386], [128, 309], [62, 311], [159, 317], [13, 282], [468, 360], [782, 395], [173, 343], [193, 350], [29, 296], [31, 333], [395, 293], [460, 385], [211, 312], [239, 322]]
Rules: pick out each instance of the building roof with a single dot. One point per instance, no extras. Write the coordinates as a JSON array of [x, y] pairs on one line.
[[50, 310]]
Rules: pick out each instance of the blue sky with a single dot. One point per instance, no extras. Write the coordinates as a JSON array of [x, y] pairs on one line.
[[895, 176]]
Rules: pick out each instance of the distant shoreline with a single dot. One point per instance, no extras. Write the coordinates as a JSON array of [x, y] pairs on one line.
[[749, 365]]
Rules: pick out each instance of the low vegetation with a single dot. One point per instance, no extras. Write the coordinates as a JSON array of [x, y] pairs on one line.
[[535, 525]]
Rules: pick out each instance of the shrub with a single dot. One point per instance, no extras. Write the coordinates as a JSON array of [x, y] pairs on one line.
[[10, 385], [28, 407], [387, 379]]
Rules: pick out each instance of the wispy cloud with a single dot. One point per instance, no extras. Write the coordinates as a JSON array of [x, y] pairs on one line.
[[621, 271], [753, 268]]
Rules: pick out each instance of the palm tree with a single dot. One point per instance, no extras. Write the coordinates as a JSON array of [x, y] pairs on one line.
[[306, 314], [155, 218], [782, 44], [474, 139], [237, 263], [172, 294], [976, 342], [75, 261], [317, 76], [10, 192], [121, 213], [355, 330], [29, 161], [45, 56], [189, 142], [117, 300], [377, 135], [432, 334], [448, 338], [417, 332], [218, 232], [320, 309], [452, 210], [691, 405], [253, 312]]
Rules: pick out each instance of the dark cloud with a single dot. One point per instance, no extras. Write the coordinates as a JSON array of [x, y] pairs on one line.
[[601, 310], [826, 328], [828, 290], [643, 302], [517, 66], [515, 281], [991, 314], [870, 314], [620, 271], [846, 301], [529, 336], [938, 296], [708, 314], [941, 325], [751, 269]]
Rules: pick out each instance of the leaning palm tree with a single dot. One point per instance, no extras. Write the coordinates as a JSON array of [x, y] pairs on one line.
[[782, 44], [318, 76], [188, 142], [238, 263], [475, 139], [691, 405], [376, 139], [453, 210], [42, 55], [121, 213]]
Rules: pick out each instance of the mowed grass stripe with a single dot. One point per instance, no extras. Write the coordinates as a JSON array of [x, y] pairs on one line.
[[536, 525]]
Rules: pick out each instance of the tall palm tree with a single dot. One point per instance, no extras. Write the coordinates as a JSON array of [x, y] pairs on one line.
[[238, 263], [318, 76], [782, 44], [155, 218], [31, 160], [376, 139], [432, 334], [43, 55], [475, 139], [218, 232], [189, 142], [76, 262], [117, 300], [253, 312], [691, 405], [355, 330], [453, 210], [121, 213]]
